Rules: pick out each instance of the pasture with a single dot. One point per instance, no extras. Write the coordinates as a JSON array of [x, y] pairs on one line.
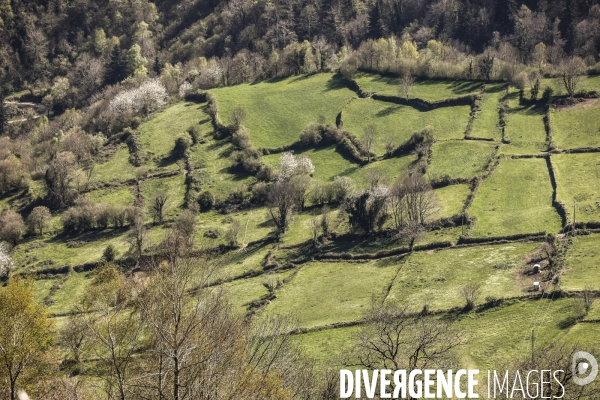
[[459, 158], [516, 198], [278, 110]]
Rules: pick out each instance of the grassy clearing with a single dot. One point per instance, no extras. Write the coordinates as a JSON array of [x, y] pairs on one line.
[[57, 251], [117, 168], [243, 292], [516, 198], [327, 347], [440, 235], [239, 262], [426, 90], [525, 129], [259, 225], [577, 127], [324, 293], [41, 288], [586, 83], [399, 122], [328, 163], [69, 292], [452, 199], [459, 158], [278, 110], [501, 335], [392, 168], [122, 196], [436, 278], [174, 186], [158, 135], [578, 179], [486, 123], [582, 269]]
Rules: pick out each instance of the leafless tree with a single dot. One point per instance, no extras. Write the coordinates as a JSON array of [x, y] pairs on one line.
[[158, 206], [233, 233], [281, 203], [406, 84], [392, 338], [368, 140], [375, 177], [412, 200], [237, 118], [138, 234], [572, 70], [470, 293]]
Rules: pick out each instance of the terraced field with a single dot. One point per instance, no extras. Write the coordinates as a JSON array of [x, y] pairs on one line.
[[486, 191]]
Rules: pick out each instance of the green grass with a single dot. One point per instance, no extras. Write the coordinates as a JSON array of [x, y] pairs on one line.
[[324, 293], [578, 179], [158, 135], [328, 162], [327, 347], [399, 122], [243, 292], [238, 262], [486, 123], [392, 169], [117, 168], [122, 196], [576, 127], [71, 250], [582, 268], [70, 291], [278, 110], [586, 83], [516, 198], [258, 222], [451, 200], [525, 129], [426, 90], [440, 235], [459, 158], [501, 335], [436, 278], [41, 288], [174, 186]]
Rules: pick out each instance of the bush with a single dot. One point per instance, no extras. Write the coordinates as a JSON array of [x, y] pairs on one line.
[[110, 253], [265, 173], [206, 200], [194, 132], [547, 94], [311, 135], [241, 139], [247, 160], [182, 146], [260, 191]]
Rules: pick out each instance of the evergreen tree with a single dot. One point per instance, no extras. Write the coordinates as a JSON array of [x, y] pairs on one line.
[[116, 70], [157, 67]]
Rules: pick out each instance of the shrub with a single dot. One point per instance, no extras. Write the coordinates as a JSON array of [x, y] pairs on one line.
[[206, 200], [12, 227], [38, 219], [182, 146], [265, 173], [311, 135], [194, 132], [110, 253], [247, 160], [260, 191], [241, 139]]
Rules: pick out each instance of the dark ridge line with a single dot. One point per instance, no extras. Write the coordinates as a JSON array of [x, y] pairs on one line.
[[558, 206], [130, 182]]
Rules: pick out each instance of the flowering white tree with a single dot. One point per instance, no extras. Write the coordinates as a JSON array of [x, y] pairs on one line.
[[6, 263], [147, 98], [184, 89], [290, 165]]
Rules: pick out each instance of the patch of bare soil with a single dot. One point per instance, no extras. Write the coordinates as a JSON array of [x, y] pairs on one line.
[[573, 104]]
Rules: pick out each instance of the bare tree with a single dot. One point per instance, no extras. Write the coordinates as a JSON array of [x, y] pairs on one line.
[[281, 204], [368, 140], [393, 338], [138, 234], [406, 84], [233, 233], [375, 177], [412, 200], [237, 118], [315, 225], [470, 293], [158, 206], [572, 70]]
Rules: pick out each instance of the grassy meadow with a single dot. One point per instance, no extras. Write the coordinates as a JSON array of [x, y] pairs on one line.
[[515, 199], [278, 110]]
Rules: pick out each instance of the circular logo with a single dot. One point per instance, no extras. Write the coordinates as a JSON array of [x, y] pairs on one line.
[[581, 367]]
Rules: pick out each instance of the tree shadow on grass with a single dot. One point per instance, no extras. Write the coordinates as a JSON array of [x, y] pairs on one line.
[[388, 111], [335, 83], [465, 87]]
